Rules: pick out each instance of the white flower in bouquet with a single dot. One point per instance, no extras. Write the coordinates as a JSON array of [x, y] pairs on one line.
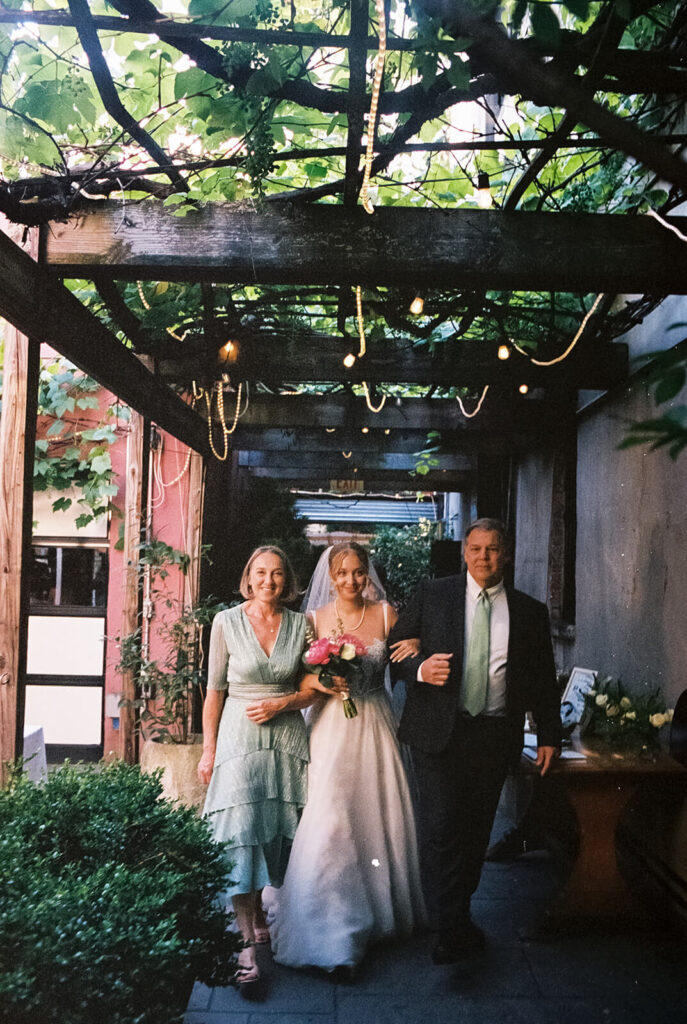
[[601, 699], [612, 710], [657, 720], [631, 715], [625, 703]]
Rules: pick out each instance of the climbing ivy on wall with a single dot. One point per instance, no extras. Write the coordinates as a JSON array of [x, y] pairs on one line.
[[74, 449]]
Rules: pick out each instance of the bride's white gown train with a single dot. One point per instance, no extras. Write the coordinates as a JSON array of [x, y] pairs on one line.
[[353, 875]]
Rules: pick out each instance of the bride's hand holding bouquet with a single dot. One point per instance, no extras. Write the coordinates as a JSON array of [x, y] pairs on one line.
[[332, 660]]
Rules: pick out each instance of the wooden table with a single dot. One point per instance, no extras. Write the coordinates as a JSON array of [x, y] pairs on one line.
[[600, 786]]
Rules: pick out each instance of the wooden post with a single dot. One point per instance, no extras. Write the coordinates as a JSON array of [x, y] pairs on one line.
[[192, 545], [130, 605], [194, 523], [17, 436]]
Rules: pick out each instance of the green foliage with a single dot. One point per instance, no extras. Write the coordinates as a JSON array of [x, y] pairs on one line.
[[168, 684], [267, 516], [667, 377], [110, 900], [403, 555], [70, 455]]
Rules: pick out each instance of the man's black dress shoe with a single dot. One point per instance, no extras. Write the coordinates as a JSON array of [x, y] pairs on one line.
[[454, 945]]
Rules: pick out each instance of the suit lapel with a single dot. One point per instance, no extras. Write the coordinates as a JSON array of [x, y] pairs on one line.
[[456, 620]]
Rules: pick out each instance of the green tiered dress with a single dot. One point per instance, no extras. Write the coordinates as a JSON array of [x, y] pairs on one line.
[[259, 780]]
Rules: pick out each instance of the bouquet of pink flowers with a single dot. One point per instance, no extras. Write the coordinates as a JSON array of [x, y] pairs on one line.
[[329, 657]]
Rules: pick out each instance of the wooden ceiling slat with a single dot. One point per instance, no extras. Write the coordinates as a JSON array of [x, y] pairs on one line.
[[415, 247]]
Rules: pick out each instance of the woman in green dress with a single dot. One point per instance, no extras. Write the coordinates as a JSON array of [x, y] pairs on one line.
[[255, 748]]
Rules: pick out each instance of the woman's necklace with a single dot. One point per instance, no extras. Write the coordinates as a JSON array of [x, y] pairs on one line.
[[255, 619], [339, 621]]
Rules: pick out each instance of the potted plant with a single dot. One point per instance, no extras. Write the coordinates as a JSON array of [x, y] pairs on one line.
[[164, 655]]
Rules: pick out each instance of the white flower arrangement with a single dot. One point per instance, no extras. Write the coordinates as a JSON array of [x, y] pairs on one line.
[[625, 720]]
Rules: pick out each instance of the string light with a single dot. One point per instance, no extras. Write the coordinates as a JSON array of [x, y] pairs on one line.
[[503, 352], [374, 103], [146, 305], [571, 346], [200, 392], [368, 400], [417, 305], [349, 360], [359, 319], [329, 430], [469, 415], [484, 199], [523, 389], [347, 455], [229, 352], [387, 431], [365, 430]]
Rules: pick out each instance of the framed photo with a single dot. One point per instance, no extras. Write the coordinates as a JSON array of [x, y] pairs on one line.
[[572, 702]]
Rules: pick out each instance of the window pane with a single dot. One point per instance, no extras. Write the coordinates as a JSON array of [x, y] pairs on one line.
[[69, 576]]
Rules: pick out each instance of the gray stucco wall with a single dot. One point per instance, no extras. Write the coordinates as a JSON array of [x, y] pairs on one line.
[[631, 572], [533, 525]]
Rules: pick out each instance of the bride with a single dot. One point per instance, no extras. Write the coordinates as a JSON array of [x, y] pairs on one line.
[[353, 874]]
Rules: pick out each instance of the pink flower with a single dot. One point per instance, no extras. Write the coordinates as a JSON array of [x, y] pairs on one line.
[[319, 652], [351, 638]]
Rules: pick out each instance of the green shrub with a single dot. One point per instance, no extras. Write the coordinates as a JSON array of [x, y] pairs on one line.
[[110, 900], [403, 556]]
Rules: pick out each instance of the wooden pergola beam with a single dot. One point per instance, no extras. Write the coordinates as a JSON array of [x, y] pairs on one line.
[[337, 465], [344, 410], [43, 308], [456, 363], [391, 481], [414, 247]]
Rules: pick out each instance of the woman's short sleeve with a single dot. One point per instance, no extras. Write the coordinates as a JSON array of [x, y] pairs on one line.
[[218, 660]]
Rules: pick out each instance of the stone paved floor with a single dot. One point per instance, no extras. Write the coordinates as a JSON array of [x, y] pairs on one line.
[[638, 978]]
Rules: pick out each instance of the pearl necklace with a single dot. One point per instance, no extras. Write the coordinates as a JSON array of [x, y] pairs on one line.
[[339, 620]]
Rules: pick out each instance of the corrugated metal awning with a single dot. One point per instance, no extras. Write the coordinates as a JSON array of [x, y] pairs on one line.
[[365, 510]]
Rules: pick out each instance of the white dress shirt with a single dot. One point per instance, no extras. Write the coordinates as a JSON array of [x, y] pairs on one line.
[[499, 627]]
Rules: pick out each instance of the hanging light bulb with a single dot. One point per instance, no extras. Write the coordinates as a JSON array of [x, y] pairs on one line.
[[484, 199], [365, 430], [503, 352], [349, 360], [417, 305], [229, 352], [523, 389], [387, 431]]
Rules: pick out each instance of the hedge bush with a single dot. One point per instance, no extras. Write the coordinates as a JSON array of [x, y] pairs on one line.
[[110, 900]]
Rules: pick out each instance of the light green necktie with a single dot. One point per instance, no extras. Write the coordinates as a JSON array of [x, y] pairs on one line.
[[476, 672]]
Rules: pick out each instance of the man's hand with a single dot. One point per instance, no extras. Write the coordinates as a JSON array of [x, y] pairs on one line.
[[435, 670], [545, 758]]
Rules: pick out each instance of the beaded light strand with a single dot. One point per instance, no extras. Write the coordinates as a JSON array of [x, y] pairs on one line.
[[374, 105]]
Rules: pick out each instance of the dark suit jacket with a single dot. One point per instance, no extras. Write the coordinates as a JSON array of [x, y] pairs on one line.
[[436, 614]]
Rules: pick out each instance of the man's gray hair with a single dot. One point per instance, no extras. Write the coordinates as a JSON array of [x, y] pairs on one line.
[[487, 523]]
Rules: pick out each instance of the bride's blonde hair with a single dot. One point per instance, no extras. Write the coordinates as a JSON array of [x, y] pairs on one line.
[[338, 552]]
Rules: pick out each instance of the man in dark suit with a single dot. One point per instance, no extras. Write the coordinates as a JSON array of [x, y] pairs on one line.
[[485, 659]]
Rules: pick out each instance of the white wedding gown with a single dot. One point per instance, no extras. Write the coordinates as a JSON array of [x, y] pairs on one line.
[[353, 875]]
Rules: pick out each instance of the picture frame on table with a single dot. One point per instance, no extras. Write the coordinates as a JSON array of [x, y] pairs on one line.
[[579, 684]]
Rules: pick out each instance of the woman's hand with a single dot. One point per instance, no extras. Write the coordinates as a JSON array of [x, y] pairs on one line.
[[205, 765], [403, 649], [262, 711]]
